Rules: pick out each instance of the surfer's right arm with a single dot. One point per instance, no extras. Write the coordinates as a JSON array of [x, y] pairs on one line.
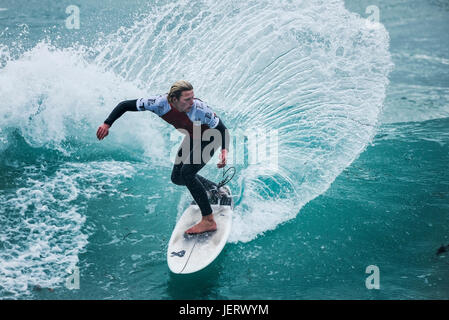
[[119, 110]]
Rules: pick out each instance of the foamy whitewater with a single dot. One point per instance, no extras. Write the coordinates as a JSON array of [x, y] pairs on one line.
[[312, 75]]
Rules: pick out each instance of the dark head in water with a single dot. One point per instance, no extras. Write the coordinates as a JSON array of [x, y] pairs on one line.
[[442, 249]]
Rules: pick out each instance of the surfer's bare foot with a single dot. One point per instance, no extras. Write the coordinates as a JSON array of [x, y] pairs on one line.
[[206, 224]]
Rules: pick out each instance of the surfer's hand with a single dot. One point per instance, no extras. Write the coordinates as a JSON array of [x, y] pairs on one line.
[[103, 131], [222, 157]]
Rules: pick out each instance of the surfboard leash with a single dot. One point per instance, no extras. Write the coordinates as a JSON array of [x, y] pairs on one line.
[[226, 178]]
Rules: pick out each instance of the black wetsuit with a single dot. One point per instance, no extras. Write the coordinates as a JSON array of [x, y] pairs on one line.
[[188, 164]]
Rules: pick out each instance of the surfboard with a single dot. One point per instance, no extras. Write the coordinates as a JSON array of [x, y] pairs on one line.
[[191, 253]]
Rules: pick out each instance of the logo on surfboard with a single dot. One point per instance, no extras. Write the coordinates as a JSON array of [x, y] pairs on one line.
[[179, 253]]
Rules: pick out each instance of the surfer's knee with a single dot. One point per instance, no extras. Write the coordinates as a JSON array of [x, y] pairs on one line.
[[186, 173]]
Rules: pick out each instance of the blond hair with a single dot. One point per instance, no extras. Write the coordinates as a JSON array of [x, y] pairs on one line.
[[177, 88]]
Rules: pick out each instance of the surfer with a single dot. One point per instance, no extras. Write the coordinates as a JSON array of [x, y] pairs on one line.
[[181, 109]]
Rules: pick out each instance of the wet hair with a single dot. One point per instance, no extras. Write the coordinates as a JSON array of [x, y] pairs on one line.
[[177, 88]]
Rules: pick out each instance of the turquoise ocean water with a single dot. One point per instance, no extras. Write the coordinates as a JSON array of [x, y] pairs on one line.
[[356, 92]]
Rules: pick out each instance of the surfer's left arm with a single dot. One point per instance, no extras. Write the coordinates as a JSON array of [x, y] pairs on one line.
[[224, 143], [211, 119]]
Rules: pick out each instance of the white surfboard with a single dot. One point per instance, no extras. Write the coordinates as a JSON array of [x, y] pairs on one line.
[[191, 253]]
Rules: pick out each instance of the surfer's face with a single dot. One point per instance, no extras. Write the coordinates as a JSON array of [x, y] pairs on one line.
[[185, 102]]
